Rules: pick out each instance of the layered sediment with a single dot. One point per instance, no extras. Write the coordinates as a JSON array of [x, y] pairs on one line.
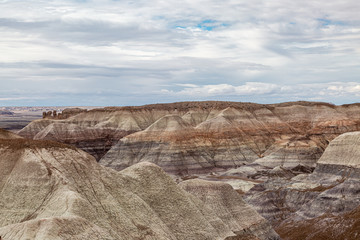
[[197, 137], [51, 190], [316, 201], [230, 208]]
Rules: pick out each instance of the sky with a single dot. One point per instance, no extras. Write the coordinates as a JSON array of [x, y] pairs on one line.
[[117, 53]]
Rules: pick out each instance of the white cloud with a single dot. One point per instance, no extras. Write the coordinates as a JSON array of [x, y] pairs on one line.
[[248, 88], [273, 47], [21, 98], [189, 85], [343, 89], [311, 92]]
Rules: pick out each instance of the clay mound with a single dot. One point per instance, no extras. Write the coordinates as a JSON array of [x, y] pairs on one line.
[[230, 208], [215, 124], [168, 123], [196, 116], [231, 120], [290, 153], [53, 191], [343, 150], [58, 130], [34, 128], [8, 135]]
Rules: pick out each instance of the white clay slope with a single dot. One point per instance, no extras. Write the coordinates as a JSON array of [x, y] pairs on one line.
[[343, 150], [53, 191]]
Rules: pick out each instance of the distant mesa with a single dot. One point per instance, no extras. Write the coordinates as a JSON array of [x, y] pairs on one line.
[[66, 113]]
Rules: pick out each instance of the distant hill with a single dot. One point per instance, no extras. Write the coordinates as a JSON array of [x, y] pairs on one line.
[[201, 137]]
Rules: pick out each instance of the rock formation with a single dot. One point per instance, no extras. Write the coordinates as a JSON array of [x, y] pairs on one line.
[[66, 113], [51, 190], [197, 137], [305, 206]]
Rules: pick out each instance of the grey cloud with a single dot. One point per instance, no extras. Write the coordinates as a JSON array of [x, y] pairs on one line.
[[88, 32], [130, 50], [318, 91]]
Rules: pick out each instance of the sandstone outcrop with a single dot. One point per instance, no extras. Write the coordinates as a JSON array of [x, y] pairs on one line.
[[51, 190], [197, 137], [313, 202], [66, 113]]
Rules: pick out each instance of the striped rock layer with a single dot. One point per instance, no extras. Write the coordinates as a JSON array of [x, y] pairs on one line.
[[54, 191], [197, 137], [322, 205]]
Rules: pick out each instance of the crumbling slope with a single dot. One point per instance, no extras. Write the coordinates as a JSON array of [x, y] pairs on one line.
[[53, 191], [320, 205]]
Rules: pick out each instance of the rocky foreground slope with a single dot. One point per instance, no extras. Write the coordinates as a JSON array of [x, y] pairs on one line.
[[8, 135], [324, 204], [196, 137], [51, 191]]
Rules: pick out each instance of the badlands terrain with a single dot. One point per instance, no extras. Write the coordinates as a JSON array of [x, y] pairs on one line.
[[200, 137], [50, 190], [190, 170]]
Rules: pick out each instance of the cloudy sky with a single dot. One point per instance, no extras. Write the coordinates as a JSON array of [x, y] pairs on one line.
[[97, 53]]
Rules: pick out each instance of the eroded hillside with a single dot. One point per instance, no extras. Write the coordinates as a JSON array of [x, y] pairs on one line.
[[51, 191], [202, 137], [319, 205]]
